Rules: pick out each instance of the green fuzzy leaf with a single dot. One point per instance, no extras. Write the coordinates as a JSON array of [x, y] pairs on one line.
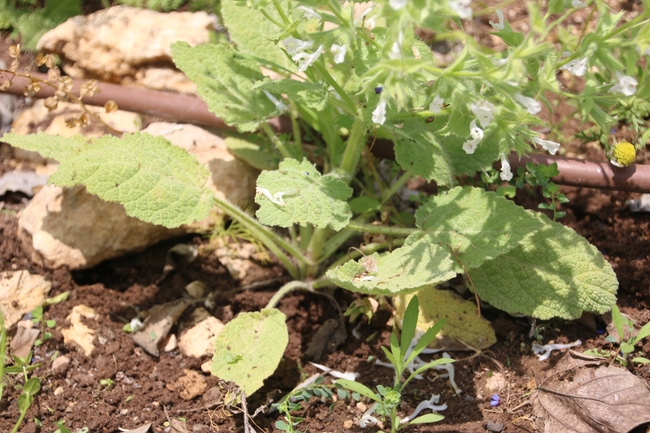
[[250, 347], [403, 270], [225, 81], [154, 180], [364, 204], [48, 146], [360, 388], [33, 25], [311, 95], [477, 225], [554, 273], [428, 418], [255, 150], [253, 33], [302, 190], [441, 157]]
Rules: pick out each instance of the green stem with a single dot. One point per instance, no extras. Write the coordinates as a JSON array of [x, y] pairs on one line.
[[315, 249], [352, 106], [386, 195], [353, 149], [286, 151], [333, 244], [286, 289], [295, 126], [284, 17], [271, 19], [273, 242], [369, 228], [20, 420]]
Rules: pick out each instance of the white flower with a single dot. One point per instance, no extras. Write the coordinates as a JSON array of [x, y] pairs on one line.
[[647, 52], [293, 45], [397, 4], [395, 51], [306, 60], [462, 8], [279, 105], [576, 67], [506, 174], [477, 135], [578, 3], [543, 352], [432, 404], [499, 25], [626, 85], [483, 111], [339, 52], [367, 418], [550, 146], [379, 114], [436, 105], [308, 12], [531, 105]]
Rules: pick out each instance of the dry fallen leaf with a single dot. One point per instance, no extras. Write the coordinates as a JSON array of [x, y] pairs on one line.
[[582, 394]]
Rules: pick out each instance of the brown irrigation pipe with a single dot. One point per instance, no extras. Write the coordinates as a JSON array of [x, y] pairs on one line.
[[191, 109]]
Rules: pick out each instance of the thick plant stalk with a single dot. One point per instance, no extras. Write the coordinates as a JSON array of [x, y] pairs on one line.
[[191, 109]]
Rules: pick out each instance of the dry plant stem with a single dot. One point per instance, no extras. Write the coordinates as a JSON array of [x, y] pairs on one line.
[[190, 109]]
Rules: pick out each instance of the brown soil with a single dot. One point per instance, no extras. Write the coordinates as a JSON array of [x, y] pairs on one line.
[[140, 392]]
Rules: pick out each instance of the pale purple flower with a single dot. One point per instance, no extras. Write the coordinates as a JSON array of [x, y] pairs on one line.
[[462, 8], [506, 174], [432, 404], [294, 46], [531, 105], [379, 114], [550, 146], [477, 135], [397, 4], [544, 352], [308, 13], [436, 105], [578, 3], [484, 112], [306, 60], [626, 85], [576, 67], [278, 105], [339, 53], [498, 25], [367, 418]]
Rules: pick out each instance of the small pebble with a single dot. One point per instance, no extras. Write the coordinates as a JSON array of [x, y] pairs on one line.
[[60, 365], [348, 423]]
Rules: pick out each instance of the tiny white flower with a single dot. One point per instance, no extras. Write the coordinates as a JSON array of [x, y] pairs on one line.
[[370, 23], [339, 52], [626, 85], [367, 418], [294, 46], [395, 51], [531, 105], [397, 4], [550, 146], [462, 8], [506, 174], [498, 25], [647, 52], [578, 3], [477, 135], [379, 114], [576, 67], [544, 352], [306, 60], [500, 62], [436, 105], [483, 110], [432, 404], [308, 12], [279, 105]]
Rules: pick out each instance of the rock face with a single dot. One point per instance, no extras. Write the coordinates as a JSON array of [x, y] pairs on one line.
[[69, 227], [125, 43], [230, 178]]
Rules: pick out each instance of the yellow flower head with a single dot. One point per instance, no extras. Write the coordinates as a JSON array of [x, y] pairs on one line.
[[623, 154]]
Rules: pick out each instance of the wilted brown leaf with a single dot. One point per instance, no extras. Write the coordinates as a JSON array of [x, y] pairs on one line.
[[582, 394]]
